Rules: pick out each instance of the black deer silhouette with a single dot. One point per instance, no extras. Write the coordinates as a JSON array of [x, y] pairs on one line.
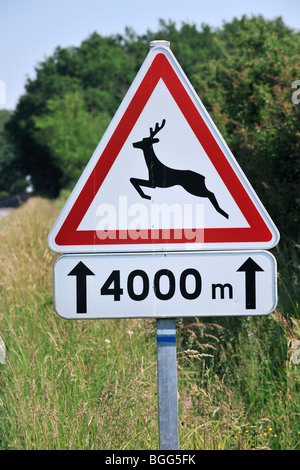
[[161, 176]]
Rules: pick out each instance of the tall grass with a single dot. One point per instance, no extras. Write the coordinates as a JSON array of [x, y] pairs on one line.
[[92, 384]]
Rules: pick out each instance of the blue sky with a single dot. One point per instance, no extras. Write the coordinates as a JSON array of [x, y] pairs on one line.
[[30, 30]]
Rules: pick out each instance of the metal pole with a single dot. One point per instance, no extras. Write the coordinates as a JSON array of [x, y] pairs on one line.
[[166, 368], [167, 384]]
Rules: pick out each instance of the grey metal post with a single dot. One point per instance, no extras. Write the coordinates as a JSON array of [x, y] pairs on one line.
[[166, 368], [167, 384]]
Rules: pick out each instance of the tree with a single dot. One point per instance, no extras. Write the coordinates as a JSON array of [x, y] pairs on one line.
[[71, 133], [248, 93], [100, 69], [12, 180]]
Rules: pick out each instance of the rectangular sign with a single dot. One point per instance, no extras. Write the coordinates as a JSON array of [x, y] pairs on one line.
[[165, 285]]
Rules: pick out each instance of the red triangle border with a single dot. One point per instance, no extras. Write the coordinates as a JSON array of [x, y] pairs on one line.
[[258, 231]]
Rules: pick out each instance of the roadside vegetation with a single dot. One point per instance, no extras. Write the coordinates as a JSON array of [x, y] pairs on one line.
[[93, 384]]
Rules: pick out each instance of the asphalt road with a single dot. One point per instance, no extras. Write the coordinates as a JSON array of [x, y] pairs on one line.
[[7, 205], [14, 201]]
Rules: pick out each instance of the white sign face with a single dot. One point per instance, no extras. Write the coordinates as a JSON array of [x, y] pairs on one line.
[[162, 178], [165, 285]]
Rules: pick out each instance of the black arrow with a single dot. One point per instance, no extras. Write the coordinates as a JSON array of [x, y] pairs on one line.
[[81, 271], [250, 268]]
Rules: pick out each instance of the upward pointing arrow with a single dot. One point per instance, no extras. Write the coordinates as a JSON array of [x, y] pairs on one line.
[[250, 267], [81, 271]]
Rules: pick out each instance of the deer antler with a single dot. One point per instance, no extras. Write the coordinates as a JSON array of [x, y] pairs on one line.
[[157, 128]]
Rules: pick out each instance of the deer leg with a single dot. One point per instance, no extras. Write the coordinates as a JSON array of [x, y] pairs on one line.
[[214, 202], [194, 183], [137, 183]]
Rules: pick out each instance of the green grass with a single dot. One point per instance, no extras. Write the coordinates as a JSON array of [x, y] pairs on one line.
[[92, 384]]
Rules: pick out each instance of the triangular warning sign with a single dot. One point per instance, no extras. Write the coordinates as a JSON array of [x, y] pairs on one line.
[[162, 177]]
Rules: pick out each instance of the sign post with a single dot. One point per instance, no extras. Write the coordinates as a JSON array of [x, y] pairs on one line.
[[167, 384], [163, 223]]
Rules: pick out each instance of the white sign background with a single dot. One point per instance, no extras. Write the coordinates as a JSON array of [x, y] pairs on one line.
[[177, 148]]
